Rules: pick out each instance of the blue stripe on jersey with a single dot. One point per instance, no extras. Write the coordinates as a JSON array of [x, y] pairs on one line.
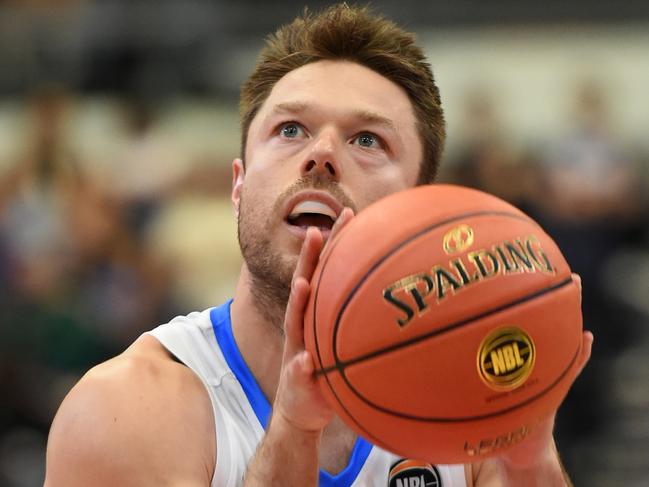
[[222, 325], [347, 476]]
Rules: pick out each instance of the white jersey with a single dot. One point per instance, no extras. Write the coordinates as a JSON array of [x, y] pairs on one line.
[[204, 342]]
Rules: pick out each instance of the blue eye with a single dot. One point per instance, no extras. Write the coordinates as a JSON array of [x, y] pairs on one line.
[[368, 140], [291, 130]]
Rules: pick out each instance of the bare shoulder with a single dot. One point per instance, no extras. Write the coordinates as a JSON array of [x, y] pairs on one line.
[[138, 419]]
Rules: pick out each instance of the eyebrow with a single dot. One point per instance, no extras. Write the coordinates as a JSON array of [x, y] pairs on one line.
[[367, 116]]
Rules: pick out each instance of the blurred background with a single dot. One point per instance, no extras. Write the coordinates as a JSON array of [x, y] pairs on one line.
[[118, 124]]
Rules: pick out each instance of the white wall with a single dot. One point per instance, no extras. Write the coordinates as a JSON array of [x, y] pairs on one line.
[[532, 73]]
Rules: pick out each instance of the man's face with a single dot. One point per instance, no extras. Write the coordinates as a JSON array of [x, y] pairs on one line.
[[330, 134]]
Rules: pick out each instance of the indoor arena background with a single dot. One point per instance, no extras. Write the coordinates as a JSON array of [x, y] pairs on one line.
[[118, 125]]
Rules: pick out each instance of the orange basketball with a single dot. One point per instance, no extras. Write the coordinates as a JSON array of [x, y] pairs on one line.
[[444, 324]]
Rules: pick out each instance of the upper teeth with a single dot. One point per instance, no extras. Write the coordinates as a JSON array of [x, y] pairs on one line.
[[311, 206]]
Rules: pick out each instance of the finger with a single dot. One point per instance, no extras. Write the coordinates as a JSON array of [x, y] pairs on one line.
[[302, 391], [309, 254], [300, 368], [577, 280], [586, 349], [306, 366], [343, 219], [294, 318]]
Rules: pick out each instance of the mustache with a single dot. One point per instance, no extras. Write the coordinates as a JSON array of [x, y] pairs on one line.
[[315, 181]]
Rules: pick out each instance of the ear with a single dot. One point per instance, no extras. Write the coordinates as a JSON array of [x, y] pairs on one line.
[[238, 175]]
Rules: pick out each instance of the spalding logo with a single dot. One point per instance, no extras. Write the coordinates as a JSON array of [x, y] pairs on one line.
[[458, 239], [413, 473], [506, 358]]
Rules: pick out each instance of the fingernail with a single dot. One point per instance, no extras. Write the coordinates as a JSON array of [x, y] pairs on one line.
[[305, 359]]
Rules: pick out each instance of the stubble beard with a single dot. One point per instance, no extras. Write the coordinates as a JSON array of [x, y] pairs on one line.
[[270, 273]]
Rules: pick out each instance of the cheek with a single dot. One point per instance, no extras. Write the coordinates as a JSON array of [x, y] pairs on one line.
[[255, 197], [269, 169], [371, 187], [270, 153], [262, 174], [259, 195]]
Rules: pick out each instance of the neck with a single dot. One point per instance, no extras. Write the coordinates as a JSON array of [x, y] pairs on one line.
[[258, 329]]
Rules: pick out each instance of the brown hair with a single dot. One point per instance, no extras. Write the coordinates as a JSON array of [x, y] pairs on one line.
[[354, 34]]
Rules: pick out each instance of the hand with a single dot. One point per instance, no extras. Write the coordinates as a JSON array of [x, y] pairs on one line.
[[299, 400], [534, 461]]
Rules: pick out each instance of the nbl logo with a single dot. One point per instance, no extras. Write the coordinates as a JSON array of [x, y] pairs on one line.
[[506, 358], [412, 473]]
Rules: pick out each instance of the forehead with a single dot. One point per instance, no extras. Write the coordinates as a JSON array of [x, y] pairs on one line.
[[338, 88]]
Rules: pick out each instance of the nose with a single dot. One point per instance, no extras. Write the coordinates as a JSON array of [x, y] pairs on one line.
[[322, 159]]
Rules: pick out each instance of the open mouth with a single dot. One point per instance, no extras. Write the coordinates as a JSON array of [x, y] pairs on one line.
[[306, 220], [311, 213]]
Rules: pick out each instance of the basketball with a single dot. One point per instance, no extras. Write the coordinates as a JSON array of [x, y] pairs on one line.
[[444, 324]]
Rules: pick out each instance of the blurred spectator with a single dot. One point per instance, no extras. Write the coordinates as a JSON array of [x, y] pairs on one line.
[[488, 159], [589, 177], [591, 199], [147, 168], [39, 340], [78, 285], [33, 199], [591, 202]]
